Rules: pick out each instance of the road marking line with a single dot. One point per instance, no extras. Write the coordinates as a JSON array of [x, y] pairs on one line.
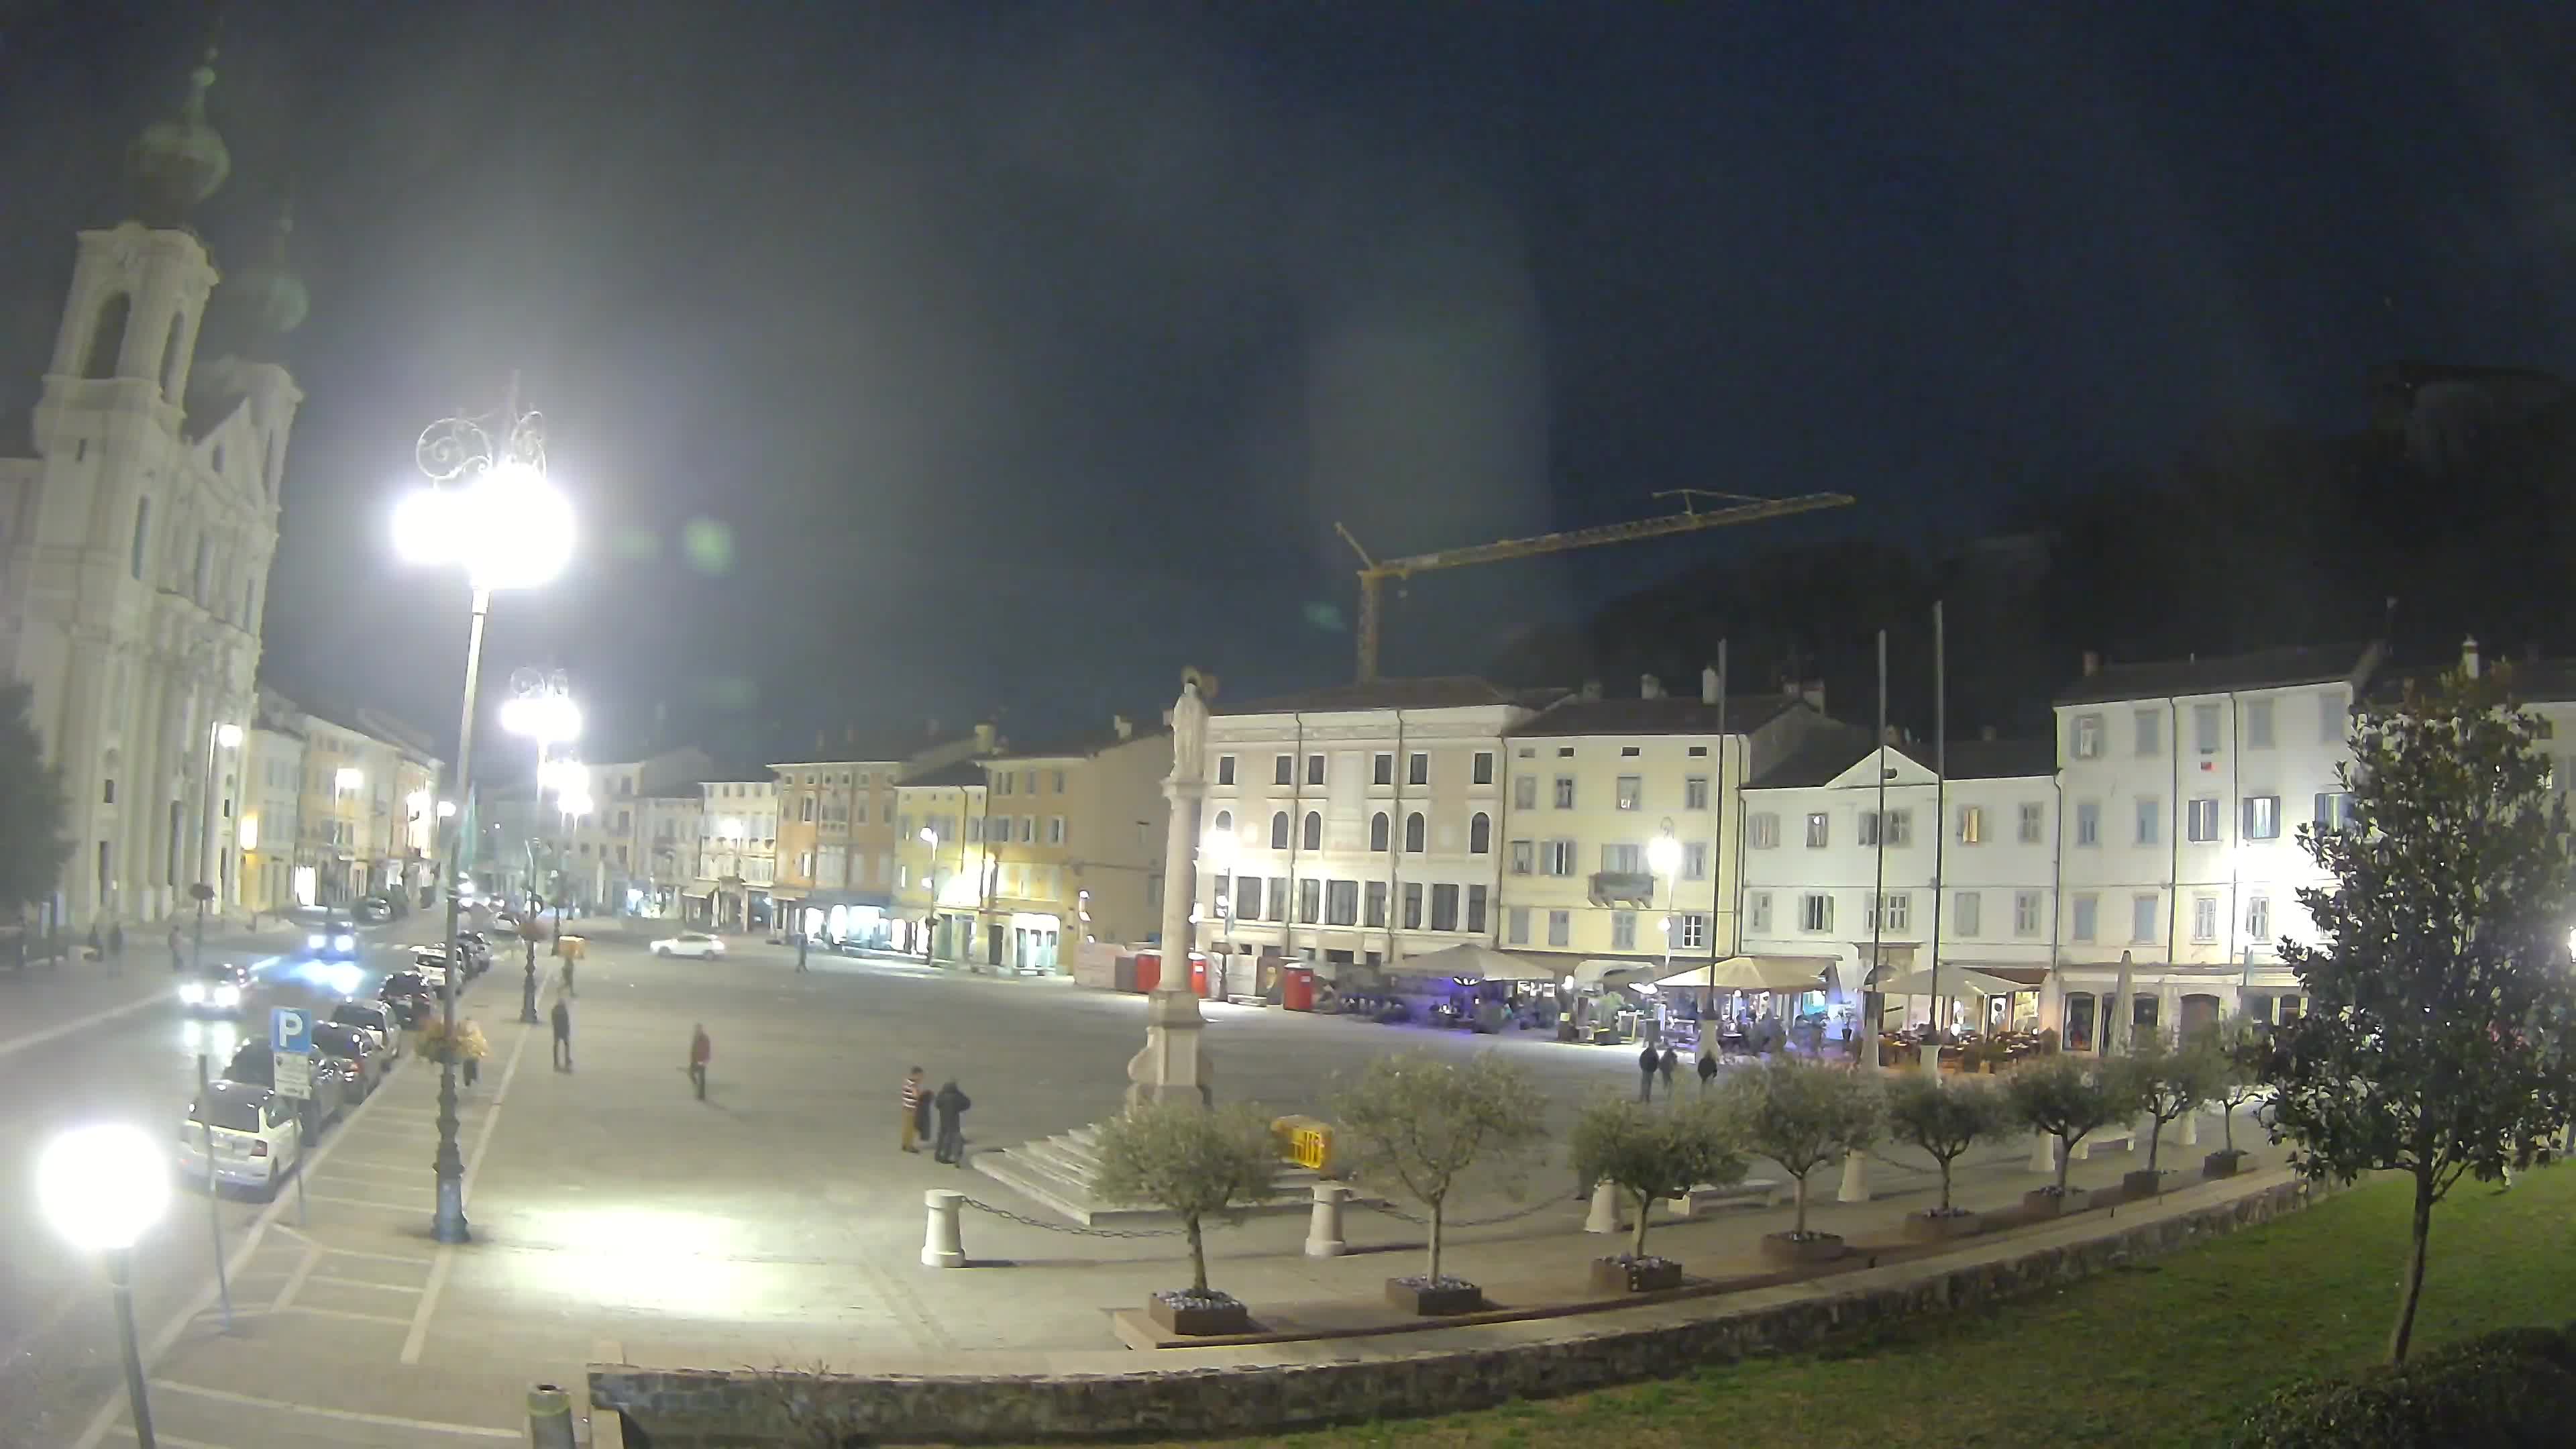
[[418, 1338], [174, 1441], [366, 1202], [346, 1416], [168, 1335], [380, 1163], [363, 1283], [295, 1280], [383, 1318], [83, 1023]]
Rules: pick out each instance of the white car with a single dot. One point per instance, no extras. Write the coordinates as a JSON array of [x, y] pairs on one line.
[[689, 943], [376, 1020], [257, 1138]]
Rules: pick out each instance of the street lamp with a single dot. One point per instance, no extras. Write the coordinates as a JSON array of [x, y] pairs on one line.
[[101, 1187], [490, 510], [1664, 857], [1217, 847], [930, 883]]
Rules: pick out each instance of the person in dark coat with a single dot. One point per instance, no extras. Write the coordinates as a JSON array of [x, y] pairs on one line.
[[1647, 1060], [1670, 1064], [701, 1051], [951, 1105], [116, 943], [1707, 1070], [563, 1035], [178, 953]]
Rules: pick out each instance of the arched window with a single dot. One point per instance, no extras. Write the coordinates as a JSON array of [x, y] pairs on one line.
[[107, 338], [1377, 831], [1225, 822], [1480, 834], [1314, 830], [1413, 833], [1279, 831]]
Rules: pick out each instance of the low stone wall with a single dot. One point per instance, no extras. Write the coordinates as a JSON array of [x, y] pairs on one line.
[[1244, 1391]]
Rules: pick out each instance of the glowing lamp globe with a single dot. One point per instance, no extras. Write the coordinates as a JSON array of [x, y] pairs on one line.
[[1662, 854], [508, 527], [102, 1186]]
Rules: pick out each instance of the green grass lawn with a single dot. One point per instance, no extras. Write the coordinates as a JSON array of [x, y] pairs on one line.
[[2168, 1353]]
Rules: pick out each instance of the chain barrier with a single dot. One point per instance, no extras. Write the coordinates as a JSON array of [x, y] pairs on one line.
[[1025, 1220], [1400, 1215]]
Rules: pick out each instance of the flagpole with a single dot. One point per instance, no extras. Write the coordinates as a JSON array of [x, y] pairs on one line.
[[1940, 805]]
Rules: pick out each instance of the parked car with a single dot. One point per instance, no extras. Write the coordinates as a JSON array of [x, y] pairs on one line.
[[255, 1065], [374, 910], [377, 1020], [689, 943], [364, 1063], [474, 951], [336, 939], [257, 1136], [218, 990], [409, 995]]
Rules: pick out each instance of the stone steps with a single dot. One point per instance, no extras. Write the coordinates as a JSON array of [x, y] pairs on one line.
[[1058, 1172]]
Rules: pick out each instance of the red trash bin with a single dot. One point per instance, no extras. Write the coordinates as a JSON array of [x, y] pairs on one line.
[[1199, 974], [1149, 970], [1297, 988]]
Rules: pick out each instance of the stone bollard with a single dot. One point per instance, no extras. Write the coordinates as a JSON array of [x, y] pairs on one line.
[[2191, 1128], [2043, 1154], [1855, 1186], [1324, 1228], [940, 1245], [549, 1417], [1604, 1217]]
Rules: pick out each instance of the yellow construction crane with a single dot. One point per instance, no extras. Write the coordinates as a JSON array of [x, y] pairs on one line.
[[1738, 509]]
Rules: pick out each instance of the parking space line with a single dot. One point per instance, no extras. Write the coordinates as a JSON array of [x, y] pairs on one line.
[[391, 1207], [379, 1164], [383, 1318], [173, 1440], [363, 1283], [421, 1261], [295, 1280], [346, 1416]]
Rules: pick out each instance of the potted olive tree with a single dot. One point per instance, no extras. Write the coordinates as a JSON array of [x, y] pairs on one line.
[[1196, 1163], [1803, 1117], [1944, 1117], [2236, 1048], [2069, 1099], [2170, 1081], [1648, 1154], [1419, 1126]]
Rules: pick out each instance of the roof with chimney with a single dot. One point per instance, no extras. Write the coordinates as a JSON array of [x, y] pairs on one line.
[[1121, 730], [2222, 673], [1662, 715], [1456, 691], [2530, 680]]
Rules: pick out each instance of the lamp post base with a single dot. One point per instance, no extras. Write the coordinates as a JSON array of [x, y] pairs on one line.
[[120, 1276], [449, 1226]]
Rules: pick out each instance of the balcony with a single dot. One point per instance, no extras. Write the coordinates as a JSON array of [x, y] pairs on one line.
[[1623, 887]]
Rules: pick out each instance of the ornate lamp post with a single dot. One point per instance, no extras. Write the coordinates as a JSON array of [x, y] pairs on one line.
[[490, 510], [101, 1187]]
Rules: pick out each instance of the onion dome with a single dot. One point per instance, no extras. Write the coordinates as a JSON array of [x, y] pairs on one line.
[[267, 297], [179, 161]]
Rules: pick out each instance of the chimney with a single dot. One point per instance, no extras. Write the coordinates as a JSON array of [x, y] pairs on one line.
[[1591, 689], [2469, 656], [1895, 736], [984, 739], [1649, 687], [2092, 662], [1708, 685], [1124, 727]]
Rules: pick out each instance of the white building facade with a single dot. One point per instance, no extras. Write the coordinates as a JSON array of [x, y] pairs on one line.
[[737, 853]]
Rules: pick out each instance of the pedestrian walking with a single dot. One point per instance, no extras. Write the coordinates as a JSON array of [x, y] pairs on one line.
[[563, 1035], [1669, 1065], [97, 947], [916, 1106], [1647, 1060], [469, 1047], [701, 1051], [801, 943], [116, 943], [568, 959], [951, 1105], [178, 956], [1707, 1070]]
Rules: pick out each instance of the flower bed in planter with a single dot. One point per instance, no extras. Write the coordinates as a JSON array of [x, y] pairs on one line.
[[2142, 1183], [1802, 1247], [2225, 1162], [1199, 1314], [2048, 1202], [1628, 1274], [1431, 1297], [1935, 1226]]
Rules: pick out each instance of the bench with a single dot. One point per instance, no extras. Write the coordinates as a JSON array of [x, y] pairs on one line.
[[1760, 1191]]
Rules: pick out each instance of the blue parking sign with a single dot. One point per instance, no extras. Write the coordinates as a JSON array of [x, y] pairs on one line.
[[290, 1030]]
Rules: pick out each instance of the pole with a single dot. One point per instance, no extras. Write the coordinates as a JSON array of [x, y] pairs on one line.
[[120, 1278], [214, 1200], [1717, 850], [1940, 798], [205, 848], [449, 1224], [1878, 902]]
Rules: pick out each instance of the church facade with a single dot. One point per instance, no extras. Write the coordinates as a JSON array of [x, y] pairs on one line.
[[135, 545]]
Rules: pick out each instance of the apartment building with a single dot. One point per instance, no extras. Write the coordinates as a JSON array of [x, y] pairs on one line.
[[1594, 784], [837, 837], [1073, 846], [1355, 825], [1889, 867], [273, 874], [737, 852], [668, 827], [347, 807], [609, 870], [2183, 785], [940, 876]]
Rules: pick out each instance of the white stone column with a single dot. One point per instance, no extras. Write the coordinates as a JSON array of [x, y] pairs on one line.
[[2043, 1153], [1604, 1215], [1855, 1186], [1324, 1227], [1173, 1066], [941, 1245]]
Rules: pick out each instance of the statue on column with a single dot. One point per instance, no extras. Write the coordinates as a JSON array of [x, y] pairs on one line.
[[1173, 1064]]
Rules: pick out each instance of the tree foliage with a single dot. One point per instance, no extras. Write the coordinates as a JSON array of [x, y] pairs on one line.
[[1803, 1117], [1194, 1162], [33, 846], [2068, 1098], [1945, 1116], [1421, 1125], [1651, 1153], [2439, 983], [2172, 1080], [2237, 1048]]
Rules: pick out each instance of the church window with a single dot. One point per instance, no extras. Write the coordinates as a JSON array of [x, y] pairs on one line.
[[142, 532], [107, 339]]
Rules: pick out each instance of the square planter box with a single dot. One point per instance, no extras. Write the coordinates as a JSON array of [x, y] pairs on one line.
[[2041, 1202], [1813, 1248], [1642, 1275], [2222, 1163], [1430, 1301], [1927, 1228], [2142, 1183], [1200, 1319]]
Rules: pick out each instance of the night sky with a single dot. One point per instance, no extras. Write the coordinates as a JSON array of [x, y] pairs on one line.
[[927, 360]]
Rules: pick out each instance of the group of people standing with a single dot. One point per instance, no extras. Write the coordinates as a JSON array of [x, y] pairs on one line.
[[1666, 1063], [948, 1105]]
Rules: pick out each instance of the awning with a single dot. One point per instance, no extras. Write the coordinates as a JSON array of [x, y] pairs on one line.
[[1974, 980], [1753, 973], [1482, 962], [1610, 971], [825, 900]]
